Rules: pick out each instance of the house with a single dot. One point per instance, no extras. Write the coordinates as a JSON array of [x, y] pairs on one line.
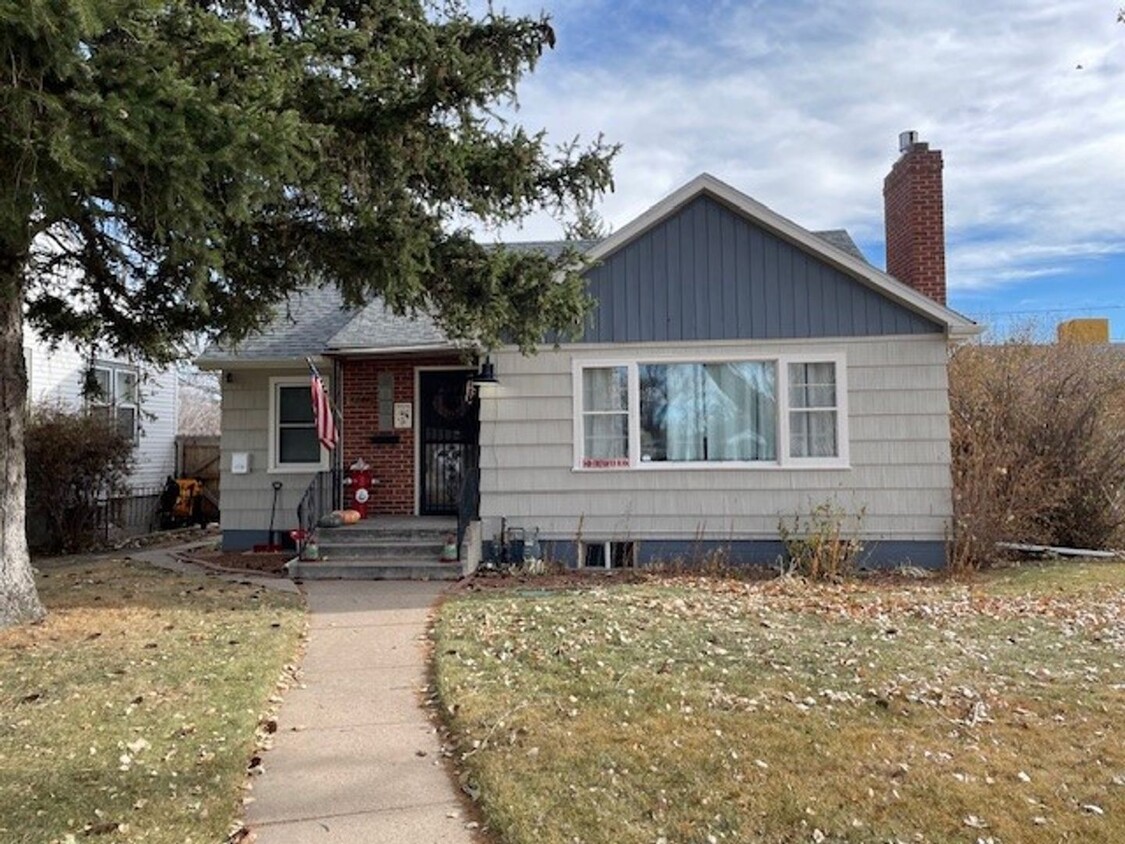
[[737, 370], [142, 401]]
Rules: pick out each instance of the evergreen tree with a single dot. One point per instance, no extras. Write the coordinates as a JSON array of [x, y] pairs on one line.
[[180, 166]]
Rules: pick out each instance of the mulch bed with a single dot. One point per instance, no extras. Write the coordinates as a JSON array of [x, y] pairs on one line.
[[267, 562]]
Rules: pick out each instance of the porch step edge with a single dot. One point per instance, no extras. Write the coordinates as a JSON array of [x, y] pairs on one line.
[[372, 570]]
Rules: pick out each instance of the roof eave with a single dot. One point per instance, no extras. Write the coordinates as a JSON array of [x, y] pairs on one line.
[[217, 364], [371, 351]]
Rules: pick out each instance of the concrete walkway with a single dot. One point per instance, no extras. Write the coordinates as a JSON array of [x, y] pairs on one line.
[[355, 758]]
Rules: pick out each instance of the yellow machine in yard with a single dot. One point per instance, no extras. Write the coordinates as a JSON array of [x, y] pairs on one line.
[[185, 501]]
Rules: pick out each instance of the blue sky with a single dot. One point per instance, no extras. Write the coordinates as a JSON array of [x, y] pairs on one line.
[[799, 104]]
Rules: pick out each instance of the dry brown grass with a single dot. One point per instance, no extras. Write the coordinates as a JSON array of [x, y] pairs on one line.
[[713, 711], [131, 711]]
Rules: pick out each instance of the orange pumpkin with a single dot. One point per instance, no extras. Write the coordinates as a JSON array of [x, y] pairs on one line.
[[350, 517]]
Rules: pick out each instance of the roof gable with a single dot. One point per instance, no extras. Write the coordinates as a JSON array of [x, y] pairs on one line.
[[828, 248], [707, 272]]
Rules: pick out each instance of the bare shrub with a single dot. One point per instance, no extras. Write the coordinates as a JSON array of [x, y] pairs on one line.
[[73, 460], [1038, 450], [825, 544]]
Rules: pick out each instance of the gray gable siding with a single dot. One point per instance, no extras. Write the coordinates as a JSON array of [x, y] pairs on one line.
[[707, 273]]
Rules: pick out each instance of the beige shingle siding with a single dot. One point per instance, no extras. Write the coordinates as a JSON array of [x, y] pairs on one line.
[[899, 453]]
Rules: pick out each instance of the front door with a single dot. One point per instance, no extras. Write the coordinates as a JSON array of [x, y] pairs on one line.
[[448, 446]]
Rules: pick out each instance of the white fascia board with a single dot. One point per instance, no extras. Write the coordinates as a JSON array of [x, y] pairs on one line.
[[375, 351], [955, 323], [233, 364]]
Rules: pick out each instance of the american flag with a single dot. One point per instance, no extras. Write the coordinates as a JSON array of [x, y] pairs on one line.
[[322, 412]]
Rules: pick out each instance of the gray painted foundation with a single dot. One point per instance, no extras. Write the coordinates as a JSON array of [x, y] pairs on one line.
[[876, 555]]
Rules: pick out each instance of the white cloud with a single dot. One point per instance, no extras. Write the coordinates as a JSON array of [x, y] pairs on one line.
[[800, 105]]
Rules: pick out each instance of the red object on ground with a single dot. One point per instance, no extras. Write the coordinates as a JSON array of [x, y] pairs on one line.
[[360, 482]]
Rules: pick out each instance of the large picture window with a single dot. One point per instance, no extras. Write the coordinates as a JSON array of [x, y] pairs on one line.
[[293, 442], [708, 412], [782, 411]]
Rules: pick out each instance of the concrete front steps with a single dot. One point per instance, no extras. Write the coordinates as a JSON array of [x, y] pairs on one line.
[[382, 548]]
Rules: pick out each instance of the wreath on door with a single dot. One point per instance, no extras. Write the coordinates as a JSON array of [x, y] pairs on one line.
[[450, 404]]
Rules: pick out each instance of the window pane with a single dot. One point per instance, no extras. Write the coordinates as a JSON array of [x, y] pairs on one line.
[[606, 438], [812, 384], [386, 401], [708, 412], [298, 445], [127, 422], [605, 389], [294, 405], [104, 380], [126, 387], [812, 434]]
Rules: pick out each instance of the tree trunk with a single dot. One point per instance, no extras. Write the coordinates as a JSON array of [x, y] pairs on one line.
[[19, 602]]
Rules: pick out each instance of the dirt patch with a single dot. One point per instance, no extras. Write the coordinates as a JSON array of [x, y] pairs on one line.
[[271, 563]]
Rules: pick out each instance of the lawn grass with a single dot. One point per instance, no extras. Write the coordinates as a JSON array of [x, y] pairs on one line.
[[130, 713], [711, 710]]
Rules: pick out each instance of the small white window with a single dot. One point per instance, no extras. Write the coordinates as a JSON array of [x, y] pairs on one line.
[[605, 417], [813, 414], [294, 446]]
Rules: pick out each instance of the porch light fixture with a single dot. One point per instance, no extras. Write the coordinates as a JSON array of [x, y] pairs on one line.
[[487, 373]]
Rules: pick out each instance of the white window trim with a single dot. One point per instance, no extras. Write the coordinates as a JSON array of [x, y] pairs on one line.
[[783, 461], [276, 468]]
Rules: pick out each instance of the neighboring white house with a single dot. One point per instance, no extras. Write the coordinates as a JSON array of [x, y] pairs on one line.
[[142, 400]]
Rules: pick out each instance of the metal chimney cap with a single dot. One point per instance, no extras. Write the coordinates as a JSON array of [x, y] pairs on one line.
[[907, 140]]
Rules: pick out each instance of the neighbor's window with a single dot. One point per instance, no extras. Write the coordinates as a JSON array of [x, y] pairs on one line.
[[293, 444], [605, 417], [708, 412], [813, 416], [115, 397]]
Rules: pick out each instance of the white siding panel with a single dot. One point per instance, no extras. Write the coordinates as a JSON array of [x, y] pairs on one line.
[[156, 444], [899, 452]]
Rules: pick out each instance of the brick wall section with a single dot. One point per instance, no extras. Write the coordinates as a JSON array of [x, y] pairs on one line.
[[392, 463], [915, 221]]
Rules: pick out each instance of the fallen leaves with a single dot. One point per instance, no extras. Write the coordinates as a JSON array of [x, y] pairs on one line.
[[961, 682]]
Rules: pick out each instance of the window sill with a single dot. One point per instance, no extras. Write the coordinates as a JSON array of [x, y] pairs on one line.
[[297, 469], [726, 466]]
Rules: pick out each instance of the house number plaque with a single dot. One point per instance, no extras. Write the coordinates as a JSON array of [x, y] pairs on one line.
[[404, 415]]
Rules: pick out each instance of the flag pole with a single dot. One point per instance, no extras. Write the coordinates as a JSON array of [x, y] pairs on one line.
[[331, 404]]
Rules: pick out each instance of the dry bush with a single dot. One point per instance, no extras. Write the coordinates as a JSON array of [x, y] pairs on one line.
[[74, 459], [825, 544], [1038, 450]]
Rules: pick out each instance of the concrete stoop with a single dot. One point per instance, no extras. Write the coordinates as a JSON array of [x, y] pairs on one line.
[[381, 548]]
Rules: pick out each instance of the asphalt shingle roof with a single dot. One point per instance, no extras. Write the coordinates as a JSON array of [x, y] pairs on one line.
[[376, 327], [301, 326], [314, 320]]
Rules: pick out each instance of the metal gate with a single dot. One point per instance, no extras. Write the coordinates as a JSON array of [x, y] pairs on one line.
[[449, 441]]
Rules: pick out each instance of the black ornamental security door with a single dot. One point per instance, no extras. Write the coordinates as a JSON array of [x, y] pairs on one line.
[[449, 438]]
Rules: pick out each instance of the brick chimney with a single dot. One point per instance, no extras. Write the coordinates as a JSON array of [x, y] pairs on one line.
[[915, 221]]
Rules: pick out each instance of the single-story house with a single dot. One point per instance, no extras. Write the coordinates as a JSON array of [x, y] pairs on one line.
[[738, 370]]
